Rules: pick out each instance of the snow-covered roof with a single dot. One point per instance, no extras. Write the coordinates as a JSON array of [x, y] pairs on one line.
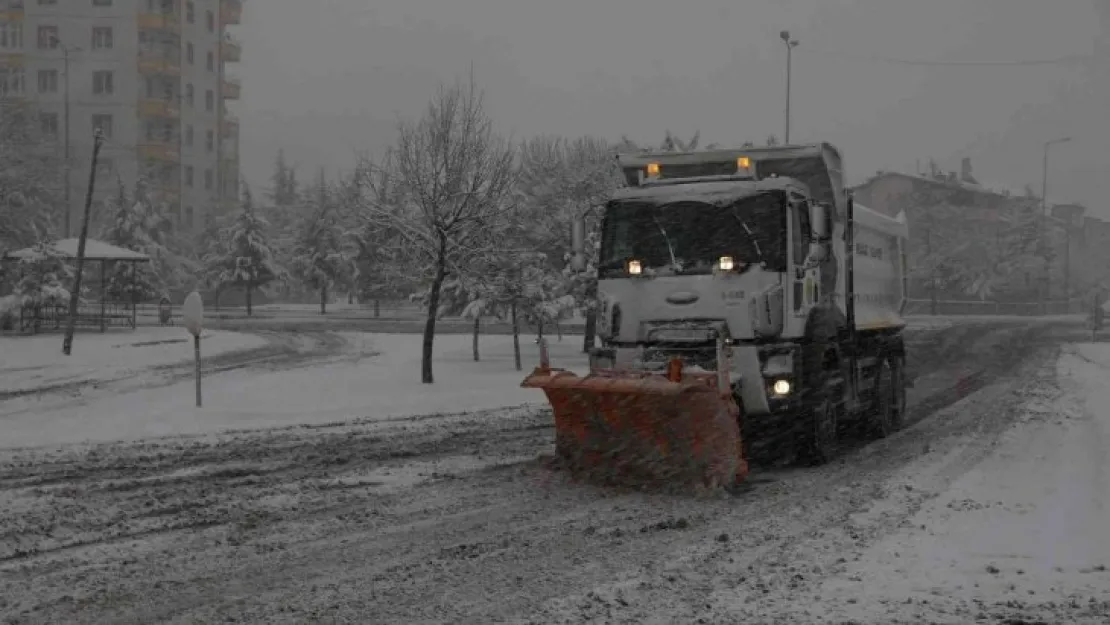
[[977, 187], [94, 250]]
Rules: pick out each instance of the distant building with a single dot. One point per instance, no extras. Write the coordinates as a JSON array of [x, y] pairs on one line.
[[151, 75], [954, 212]]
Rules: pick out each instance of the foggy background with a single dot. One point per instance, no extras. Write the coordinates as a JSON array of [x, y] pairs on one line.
[[325, 78]]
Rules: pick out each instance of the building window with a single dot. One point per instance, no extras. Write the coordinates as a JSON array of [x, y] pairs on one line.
[[46, 3], [48, 81], [102, 3], [48, 37], [102, 38], [103, 123], [103, 82], [105, 166], [190, 11], [208, 179], [189, 175], [189, 94], [210, 19], [188, 216], [11, 81], [211, 61], [48, 122], [189, 52], [189, 135], [209, 141], [11, 36], [209, 101]]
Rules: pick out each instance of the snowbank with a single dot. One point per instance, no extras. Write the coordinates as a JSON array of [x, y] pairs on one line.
[[36, 362], [380, 387], [1023, 532]]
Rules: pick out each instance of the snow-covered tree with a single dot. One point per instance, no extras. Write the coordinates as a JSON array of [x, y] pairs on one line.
[[31, 179], [670, 143], [560, 182], [242, 256], [376, 245], [43, 278], [523, 287], [319, 260], [442, 188], [133, 225]]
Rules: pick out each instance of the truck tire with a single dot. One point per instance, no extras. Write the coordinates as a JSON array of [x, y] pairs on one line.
[[820, 400], [898, 377], [888, 404], [820, 445]]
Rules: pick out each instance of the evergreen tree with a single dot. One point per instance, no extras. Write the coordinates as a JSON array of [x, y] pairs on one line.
[[242, 255], [318, 259]]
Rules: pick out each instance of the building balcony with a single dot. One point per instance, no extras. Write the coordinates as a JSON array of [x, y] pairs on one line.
[[230, 127], [165, 62], [164, 151], [160, 21], [158, 107], [231, 12], [12, 11], [232, 88], [231, 50], [12, 59]]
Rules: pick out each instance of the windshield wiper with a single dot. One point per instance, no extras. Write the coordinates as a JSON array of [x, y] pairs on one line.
[[670, 248], [751, 235]]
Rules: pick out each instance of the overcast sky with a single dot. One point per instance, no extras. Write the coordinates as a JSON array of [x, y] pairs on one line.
[[328, 77]]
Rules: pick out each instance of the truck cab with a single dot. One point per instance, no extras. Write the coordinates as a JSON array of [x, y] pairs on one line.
[[752, 245]]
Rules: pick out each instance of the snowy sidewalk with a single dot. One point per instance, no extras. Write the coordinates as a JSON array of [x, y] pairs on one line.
[[37, 362], [1026, 532], [381, 386]]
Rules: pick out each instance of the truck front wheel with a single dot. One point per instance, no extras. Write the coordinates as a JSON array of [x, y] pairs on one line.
[[889, 400]]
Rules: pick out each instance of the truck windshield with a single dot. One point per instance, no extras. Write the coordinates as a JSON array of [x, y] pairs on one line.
[[687, 237]]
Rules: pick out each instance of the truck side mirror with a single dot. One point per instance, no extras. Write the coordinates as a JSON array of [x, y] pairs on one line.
[[577, 245], [820, 221]]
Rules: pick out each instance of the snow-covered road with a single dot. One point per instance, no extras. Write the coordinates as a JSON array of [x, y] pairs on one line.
[[989, 505]]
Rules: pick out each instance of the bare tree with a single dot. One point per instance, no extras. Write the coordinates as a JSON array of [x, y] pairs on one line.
[[443, 187]]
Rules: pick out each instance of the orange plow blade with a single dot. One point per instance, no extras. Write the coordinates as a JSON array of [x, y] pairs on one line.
[[635, 428]]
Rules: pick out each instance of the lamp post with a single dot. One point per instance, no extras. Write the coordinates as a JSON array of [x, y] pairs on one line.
[[790, 45], [1044, 218]]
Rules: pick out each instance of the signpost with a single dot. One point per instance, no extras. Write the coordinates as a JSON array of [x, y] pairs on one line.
[[192, 313]]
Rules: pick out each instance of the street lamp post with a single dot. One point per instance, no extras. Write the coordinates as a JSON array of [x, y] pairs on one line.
[[790, 45], [1044, 218]]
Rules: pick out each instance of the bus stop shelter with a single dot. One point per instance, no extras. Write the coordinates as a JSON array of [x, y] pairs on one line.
[[95, 252]]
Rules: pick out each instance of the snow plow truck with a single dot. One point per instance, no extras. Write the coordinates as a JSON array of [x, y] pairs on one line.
[[733, 319]]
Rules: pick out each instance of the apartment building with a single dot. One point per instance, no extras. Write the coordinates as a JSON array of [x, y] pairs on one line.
[[152, 75]]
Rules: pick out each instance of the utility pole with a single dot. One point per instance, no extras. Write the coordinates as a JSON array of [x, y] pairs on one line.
[[1044, 221], [71, 323], [790, 45]]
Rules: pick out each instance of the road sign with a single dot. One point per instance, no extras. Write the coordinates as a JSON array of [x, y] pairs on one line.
[[193, 313]]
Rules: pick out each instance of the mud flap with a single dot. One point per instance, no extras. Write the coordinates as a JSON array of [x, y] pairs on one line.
[[642, 429]]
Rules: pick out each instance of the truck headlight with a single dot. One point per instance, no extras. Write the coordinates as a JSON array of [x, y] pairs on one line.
[[635, 268], [781, 388], [726, 263]]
